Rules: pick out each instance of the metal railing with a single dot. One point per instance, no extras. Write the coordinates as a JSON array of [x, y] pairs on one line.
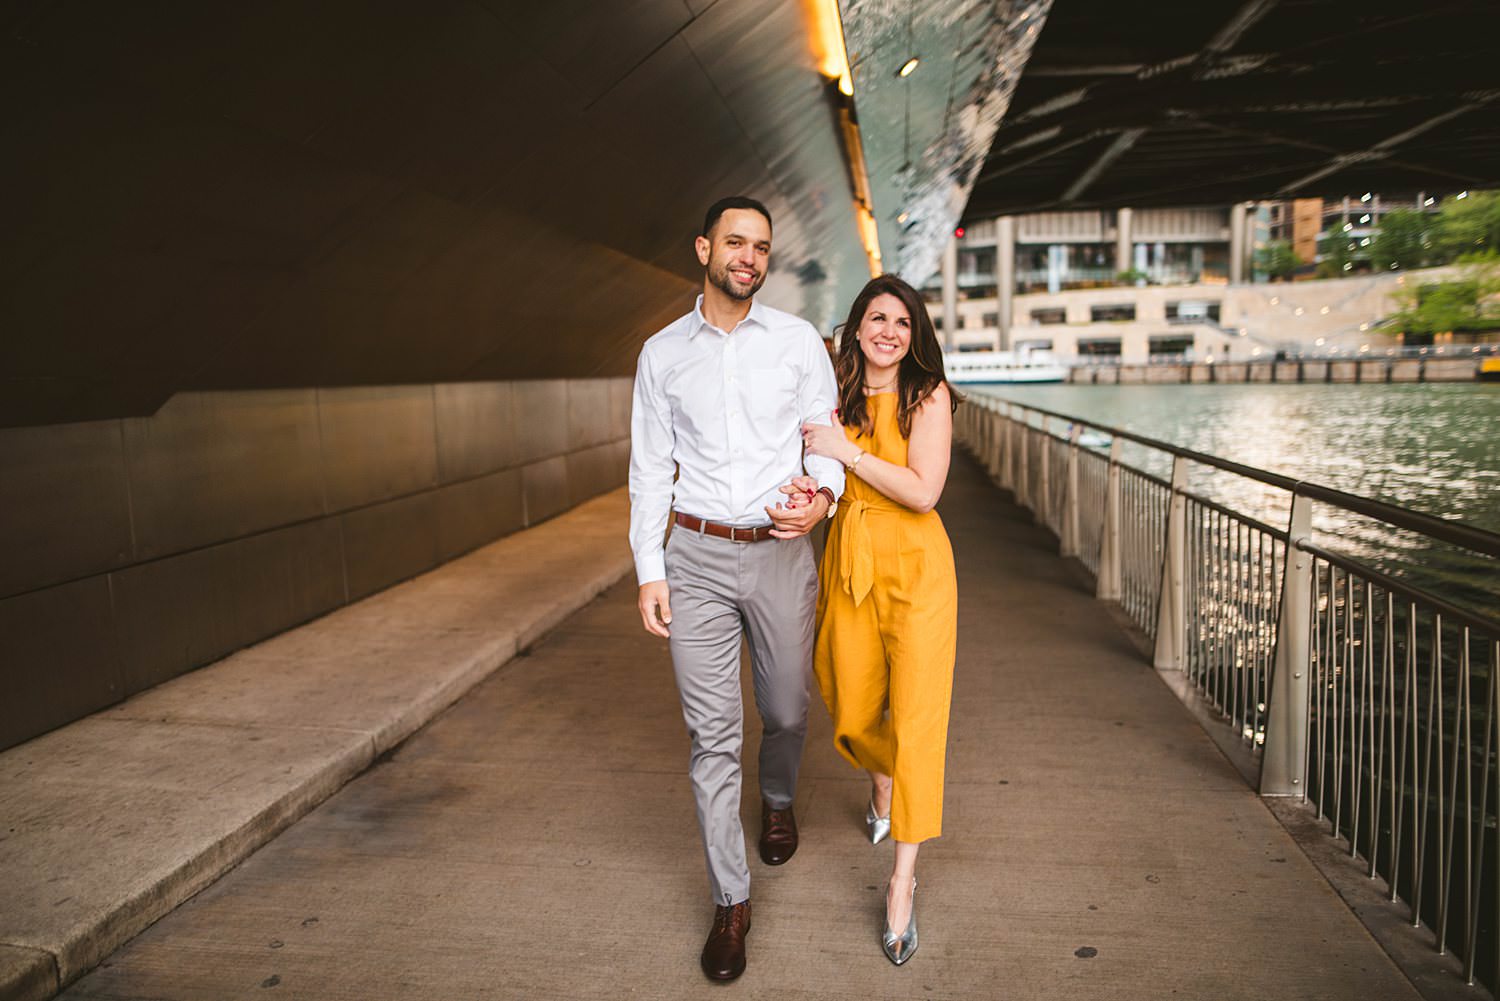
[[1370, 699]]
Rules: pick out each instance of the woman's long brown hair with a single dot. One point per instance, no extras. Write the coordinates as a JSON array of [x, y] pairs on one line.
[[920, 373]]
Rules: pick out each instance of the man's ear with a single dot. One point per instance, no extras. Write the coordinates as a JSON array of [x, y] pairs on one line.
[[703, 247]]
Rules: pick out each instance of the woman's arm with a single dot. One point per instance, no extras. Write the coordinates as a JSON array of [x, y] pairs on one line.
[[919, 483]]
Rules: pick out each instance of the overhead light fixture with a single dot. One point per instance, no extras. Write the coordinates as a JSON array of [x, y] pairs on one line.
[[907, 67], [1429, 201], [1463, 194], [902, 217], [834, 62], [1365, 197]]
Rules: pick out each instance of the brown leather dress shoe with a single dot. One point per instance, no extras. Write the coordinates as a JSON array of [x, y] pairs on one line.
[[724, 952], [778, 834]]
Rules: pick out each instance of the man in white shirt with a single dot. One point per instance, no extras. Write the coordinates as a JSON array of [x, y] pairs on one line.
[[720, 397]]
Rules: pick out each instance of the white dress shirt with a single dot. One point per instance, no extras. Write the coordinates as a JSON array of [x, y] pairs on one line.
[[724, 412]]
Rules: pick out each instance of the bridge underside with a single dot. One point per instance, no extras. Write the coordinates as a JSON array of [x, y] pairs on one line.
[[1213, 103]]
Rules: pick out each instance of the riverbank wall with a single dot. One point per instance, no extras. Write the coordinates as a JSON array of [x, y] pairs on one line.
[[1380, 370]]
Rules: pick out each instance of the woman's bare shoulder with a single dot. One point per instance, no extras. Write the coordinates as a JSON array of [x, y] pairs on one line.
[[940, 396]]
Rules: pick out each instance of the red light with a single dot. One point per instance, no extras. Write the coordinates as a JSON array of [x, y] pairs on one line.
[[959, 232]]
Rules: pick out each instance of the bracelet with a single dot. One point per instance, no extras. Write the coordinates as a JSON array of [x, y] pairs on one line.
[[851, 465]]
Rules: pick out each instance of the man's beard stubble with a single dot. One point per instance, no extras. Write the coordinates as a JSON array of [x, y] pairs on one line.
[[719, 276]]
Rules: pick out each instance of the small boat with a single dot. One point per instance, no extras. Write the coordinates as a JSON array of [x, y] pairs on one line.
[[974, 368]]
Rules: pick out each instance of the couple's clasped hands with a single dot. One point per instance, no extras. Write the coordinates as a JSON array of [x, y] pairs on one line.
[[804, 507]]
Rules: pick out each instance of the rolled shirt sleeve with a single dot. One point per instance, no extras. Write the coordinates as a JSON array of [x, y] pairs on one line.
[[651, 472], [819, 397]]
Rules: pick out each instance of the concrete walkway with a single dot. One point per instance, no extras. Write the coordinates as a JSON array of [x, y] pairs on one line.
[[537, 840], [110, 822]]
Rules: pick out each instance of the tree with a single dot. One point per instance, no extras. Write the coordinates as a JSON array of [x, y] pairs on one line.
[[1337, 253], [1468, 225], [1469, 304], [1277, 259], [1402, 241]]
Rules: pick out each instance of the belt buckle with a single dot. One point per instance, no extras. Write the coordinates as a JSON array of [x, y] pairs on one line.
[[734, 535]]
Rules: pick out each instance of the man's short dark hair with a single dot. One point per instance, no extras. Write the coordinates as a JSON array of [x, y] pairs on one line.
[[718, 208]]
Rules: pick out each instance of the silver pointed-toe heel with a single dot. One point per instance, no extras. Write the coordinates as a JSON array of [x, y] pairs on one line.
[[899, 948], [879, 827]]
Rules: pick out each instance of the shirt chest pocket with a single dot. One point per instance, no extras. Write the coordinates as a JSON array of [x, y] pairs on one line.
[[771, 395]]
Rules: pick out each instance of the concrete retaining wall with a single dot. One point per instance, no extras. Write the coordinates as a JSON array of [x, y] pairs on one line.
[[139, 549], [1362, 370]]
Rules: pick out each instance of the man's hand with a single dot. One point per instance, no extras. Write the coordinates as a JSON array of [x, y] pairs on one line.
[[654, 598], [800, 492], [791, 522]]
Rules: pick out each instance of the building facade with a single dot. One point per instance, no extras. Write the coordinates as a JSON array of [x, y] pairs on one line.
[[1000, 276], [1131, 287]]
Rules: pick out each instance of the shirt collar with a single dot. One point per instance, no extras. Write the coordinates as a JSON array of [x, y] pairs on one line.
[[757, 315]]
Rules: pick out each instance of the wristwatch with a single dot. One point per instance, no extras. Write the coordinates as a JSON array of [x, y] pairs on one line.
[[833, 502]]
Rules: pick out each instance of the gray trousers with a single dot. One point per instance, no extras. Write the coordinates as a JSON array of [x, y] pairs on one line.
[[721, 590]]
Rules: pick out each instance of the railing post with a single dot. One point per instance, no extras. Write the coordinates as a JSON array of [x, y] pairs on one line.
[[1285, 755], [1023, 473], [996, 454], [1110, 583], [1069, 533], [1008, 463], [1171, 617], [986, 436], [1044, 477]]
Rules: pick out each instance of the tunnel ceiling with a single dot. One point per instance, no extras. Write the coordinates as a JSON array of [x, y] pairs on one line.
[[1185, 103], [212, 196]]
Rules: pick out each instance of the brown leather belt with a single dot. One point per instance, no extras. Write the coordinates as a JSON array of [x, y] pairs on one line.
[[759, 533]]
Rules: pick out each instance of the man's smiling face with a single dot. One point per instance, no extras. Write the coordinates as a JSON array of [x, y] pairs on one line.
[[737, 253]]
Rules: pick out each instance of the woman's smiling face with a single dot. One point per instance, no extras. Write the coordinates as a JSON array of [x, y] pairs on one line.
[[885, 332]]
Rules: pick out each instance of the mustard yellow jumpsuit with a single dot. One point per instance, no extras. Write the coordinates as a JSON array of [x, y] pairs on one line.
[[887, 632]]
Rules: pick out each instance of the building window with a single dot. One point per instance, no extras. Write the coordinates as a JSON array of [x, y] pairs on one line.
[[1114, 313], [1048, 316], [976, 273], [990, 320], [1103, 348], [1034, 345], [1170, 347], [1192, 311], [1054, 267], [1182, 263]]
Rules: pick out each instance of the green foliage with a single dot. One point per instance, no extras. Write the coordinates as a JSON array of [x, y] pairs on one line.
[[1277, 259], [1336, 251], [1402, 242], [1131, 276], [1468, 225], [1467, 304]]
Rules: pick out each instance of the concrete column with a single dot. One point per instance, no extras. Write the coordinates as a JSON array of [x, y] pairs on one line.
[[1237, 243], [1124, 239], [1005, 275], [950, 294]]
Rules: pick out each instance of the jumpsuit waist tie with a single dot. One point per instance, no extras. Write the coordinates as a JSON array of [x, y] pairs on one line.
[[856, 550]]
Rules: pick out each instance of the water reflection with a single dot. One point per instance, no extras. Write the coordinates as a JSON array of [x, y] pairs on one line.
[[1434, 448]]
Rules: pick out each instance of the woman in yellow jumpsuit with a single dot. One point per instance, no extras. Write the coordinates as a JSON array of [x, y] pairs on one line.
[[888, 600]]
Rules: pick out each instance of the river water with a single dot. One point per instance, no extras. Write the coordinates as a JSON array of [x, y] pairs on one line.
[[1430, 447]]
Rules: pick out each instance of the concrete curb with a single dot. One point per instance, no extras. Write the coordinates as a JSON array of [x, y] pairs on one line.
[[120, 817]]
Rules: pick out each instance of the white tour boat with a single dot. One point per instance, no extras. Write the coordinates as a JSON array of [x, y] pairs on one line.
[[996, 367]]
